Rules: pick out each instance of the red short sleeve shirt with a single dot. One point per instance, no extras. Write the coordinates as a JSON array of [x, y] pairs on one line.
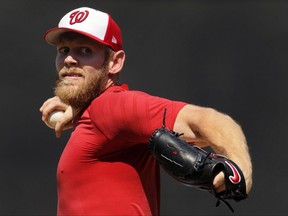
[[106, 168]]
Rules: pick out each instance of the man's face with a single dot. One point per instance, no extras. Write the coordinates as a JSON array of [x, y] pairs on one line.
[[82, 70]]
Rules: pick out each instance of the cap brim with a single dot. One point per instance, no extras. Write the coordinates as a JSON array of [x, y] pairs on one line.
[[52, 35]]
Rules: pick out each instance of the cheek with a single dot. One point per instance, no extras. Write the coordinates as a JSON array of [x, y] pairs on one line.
[[58, 63], [90, 72], [92, 63]]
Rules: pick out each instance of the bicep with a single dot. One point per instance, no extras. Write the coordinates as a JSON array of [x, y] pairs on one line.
[[209, 127], [187, 122]]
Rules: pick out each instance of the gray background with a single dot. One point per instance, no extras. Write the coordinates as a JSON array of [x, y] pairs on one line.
[[230, 55]]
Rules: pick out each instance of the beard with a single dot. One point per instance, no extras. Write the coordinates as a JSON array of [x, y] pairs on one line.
[[81, 95]]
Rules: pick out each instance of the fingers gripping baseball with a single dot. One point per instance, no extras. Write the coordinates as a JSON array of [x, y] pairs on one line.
[[57, 115]]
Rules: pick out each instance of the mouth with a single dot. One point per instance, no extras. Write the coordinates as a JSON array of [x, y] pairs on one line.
[[71, 76]]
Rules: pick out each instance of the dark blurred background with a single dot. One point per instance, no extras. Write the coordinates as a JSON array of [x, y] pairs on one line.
[[230, 55]]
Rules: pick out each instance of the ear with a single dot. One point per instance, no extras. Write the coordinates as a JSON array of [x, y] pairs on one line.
[[116, 62]]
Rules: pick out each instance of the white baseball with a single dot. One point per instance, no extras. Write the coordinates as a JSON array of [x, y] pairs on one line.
[[54, 118]]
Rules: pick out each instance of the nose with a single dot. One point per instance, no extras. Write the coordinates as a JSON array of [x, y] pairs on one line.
[[70, 60]]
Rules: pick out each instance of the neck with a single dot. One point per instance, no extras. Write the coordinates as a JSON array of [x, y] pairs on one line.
[[109, 83]]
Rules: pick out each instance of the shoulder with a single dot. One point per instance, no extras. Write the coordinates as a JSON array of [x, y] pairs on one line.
[[121, 95]]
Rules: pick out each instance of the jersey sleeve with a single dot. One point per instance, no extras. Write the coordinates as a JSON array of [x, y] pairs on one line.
[[132, 115]]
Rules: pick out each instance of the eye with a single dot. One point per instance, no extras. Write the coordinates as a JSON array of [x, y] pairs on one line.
[[85, 50], [63, 50]]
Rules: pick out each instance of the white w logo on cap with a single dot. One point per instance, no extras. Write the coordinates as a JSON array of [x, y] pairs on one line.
[[78, 16]]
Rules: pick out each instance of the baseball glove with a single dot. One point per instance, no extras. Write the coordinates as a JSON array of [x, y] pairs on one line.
[[195, 167]]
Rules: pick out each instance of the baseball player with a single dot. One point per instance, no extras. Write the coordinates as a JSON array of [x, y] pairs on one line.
[[120, 137]]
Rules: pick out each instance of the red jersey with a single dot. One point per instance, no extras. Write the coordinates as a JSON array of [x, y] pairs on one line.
[[106, 168]]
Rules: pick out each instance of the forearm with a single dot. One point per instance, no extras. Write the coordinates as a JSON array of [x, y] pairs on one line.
[[226, 137]]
